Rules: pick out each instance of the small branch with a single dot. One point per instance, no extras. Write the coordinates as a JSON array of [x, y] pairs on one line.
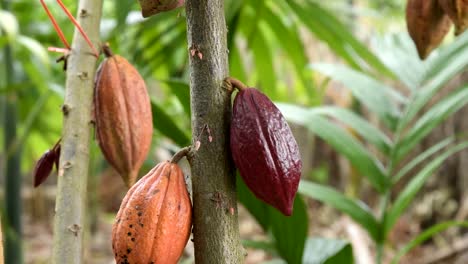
[[77, 25], [180, 154], [55, 24], [236, 83]]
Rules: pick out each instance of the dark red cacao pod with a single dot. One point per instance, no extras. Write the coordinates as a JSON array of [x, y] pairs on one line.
[[264, 150], [45, 164]]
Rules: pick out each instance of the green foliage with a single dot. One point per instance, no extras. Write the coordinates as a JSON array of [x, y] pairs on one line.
[[328, 251], [400, 116], [265, 51], [427, 234]]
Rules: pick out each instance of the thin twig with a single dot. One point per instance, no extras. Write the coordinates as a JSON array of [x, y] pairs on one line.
[[55, 24], [73, 20]]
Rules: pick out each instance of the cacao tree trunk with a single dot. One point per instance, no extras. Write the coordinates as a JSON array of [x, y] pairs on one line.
[[74, 158], [13, 205], [215, 224]]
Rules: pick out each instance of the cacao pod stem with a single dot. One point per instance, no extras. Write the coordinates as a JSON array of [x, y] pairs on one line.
[[180, 154], [233, 82]]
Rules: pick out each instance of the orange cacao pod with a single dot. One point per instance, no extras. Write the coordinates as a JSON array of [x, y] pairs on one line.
[[154, 220], [427, 25], [152, 7], [122, 109]]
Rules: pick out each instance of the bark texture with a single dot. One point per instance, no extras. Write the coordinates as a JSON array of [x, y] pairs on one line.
[[74, 159], [215, 224]]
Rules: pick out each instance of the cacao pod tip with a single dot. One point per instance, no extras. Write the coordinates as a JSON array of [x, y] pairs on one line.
[[131, 178]]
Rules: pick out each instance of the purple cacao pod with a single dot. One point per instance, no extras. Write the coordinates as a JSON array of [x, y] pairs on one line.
[[264, 150]]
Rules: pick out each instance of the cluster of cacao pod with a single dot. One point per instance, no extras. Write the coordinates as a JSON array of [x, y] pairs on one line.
[[428, 21], [264, 149], [154, 220]]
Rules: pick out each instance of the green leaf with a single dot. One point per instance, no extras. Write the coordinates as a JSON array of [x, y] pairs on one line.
[[436, 81], [164, 122], [343, 142], [398, 52], [407, 194], [258, 209], [290, 232], [339, 38], [446, 55], [356, 210], [358, 124], [9, 24], [263, 245], [421, 157], [432, 118], [369, 91], [362, 127], [263, 59], [328, 251], [428, 233], [181, 90], [122, 8], [35, 48], [277, 20]]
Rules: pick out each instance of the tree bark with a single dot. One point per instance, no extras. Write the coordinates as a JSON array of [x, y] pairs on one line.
[[74, 159], [215, 224]]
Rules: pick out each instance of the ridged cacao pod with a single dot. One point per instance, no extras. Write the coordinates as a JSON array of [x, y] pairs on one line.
[[457, 10], [152, 7], [264, 150], [154, 220], [123, 117], [427, 25]]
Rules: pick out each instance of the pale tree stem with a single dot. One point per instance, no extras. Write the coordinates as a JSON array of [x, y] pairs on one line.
[[70, 205], [216, 231]]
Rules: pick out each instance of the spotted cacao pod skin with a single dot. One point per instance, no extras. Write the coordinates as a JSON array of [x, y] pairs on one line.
[[154, 220], [152, 7], [427, 24], [123, 117], [264, 150]]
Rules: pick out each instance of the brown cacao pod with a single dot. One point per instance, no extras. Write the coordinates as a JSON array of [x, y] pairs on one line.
[[123, 117], [264, 150], [427, 25], [152, 7], [457, 10], [154, 220]]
